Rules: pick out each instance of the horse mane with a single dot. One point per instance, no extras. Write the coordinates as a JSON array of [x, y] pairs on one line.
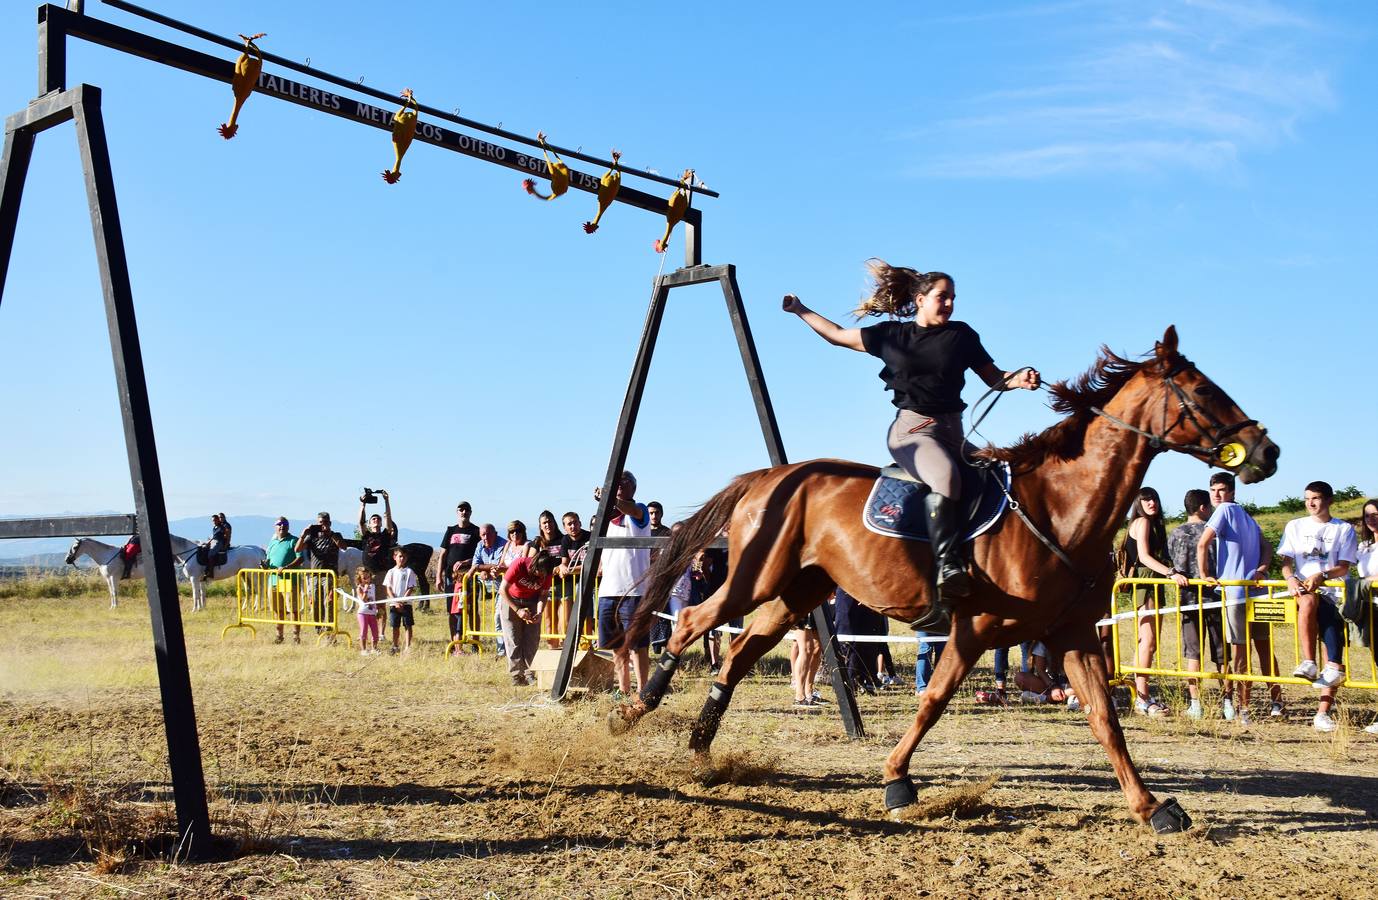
[[1074, 397]]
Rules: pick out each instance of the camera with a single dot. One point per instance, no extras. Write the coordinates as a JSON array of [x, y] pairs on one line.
[[369, 495]]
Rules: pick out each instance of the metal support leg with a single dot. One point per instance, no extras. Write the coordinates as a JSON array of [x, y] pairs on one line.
[[622, 441], [174, 679], [14, 168], [770, 430]]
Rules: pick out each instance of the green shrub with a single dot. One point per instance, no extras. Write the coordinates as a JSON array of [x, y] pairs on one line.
[[1351, 492], [1291, 504]]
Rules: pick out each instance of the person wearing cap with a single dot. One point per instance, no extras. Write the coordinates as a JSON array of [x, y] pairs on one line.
[[282, 554], [322, 546], [456, 555], [619, 590]]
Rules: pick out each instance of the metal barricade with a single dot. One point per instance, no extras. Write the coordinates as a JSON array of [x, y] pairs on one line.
[[477, 600], [296, 597], [1265, 617]]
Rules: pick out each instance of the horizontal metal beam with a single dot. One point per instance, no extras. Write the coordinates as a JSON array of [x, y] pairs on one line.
[[67, 526], [60, 22], [694, 275], [356, 86], [44, 113]]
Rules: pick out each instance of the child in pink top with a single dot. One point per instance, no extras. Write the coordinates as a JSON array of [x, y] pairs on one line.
[[368, 611]]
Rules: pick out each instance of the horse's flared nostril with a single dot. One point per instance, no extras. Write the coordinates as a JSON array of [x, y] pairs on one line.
[[1270, 453]]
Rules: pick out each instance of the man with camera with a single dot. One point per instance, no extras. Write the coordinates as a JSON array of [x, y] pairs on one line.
[[377, 534], [322, 547]]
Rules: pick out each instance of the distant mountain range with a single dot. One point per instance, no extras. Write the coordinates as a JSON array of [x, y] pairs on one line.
[[247, 530]]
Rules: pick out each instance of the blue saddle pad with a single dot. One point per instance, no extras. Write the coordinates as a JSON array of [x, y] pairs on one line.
[[895, 506]]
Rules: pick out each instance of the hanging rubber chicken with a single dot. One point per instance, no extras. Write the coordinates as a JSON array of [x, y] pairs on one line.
[[559, 174], [403, 130], [677, 206], [246, 72], [608, 186]]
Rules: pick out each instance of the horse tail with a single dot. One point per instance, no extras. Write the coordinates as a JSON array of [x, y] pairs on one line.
[[696, 533]]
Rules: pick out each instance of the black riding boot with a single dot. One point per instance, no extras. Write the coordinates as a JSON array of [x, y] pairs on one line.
[[944, 536]]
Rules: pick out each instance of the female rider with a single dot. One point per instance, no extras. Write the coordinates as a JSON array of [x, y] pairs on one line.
[[925, 366]]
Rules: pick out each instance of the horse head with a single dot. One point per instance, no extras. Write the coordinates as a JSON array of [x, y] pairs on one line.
[[71, 559], [1179, 408]]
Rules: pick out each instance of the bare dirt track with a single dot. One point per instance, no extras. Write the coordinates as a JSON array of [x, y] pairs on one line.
[[415, 777]]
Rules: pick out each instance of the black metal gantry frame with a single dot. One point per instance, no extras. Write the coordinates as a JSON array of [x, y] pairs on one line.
[[56, 104], [82, 106]]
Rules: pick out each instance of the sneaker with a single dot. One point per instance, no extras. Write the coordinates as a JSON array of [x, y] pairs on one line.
[[1372, 729], [1193, 710], [1242, 718], [803, 703], [1323, 722], [1275, 711], [1306, 670], [818, 698], [1227, 710], [1073, 704], [1333, 676]]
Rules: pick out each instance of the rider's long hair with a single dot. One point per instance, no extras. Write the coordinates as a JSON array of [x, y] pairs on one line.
[[895, 288]]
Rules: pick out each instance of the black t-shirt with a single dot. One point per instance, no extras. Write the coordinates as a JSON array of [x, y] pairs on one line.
[[459, 543], [377, 547], [571, 554], [321, 552], [925, 367]]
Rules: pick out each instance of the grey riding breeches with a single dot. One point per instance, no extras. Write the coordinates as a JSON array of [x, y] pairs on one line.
[[928, 447]]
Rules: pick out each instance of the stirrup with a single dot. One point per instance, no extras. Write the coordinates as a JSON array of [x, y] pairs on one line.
[[955, 585], [937, 618]]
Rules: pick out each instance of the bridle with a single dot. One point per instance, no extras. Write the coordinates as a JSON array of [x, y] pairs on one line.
[[1222, 452]]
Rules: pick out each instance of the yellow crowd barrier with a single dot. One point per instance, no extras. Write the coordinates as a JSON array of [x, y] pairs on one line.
[[478, 598], [1265, 619], [298, 597]]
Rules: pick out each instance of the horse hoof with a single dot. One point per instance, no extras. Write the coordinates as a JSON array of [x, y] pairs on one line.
[[622, 717], [1170, 818], [899, 794]]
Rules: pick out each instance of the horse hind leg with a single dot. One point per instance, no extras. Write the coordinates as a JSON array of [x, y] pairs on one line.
[[764, 632], [1085, 668]]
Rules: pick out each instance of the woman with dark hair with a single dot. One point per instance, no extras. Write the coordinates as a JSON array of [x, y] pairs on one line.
[[1145, 545], [522, 597], [547, 543], [926, 360], [1366, 570]]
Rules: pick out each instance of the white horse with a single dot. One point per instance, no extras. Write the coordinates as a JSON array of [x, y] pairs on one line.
[[248, 556], [109, 559]]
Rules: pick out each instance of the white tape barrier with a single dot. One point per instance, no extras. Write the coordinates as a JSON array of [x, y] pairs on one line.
[[850, 638], [355, 602], [1169, 610]]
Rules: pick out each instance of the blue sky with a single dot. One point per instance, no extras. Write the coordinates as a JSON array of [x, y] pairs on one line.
[[1090, 172]]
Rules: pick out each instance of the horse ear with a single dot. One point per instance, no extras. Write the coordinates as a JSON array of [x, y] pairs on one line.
[[1167, 347]]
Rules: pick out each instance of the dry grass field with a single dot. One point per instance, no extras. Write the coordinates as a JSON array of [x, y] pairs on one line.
[[332, 774]]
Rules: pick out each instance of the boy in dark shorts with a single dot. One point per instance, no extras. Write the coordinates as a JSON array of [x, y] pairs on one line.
[[400, 582], [1181, 546]]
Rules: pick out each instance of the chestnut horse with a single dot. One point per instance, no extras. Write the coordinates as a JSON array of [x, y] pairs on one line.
[[1043, 573]]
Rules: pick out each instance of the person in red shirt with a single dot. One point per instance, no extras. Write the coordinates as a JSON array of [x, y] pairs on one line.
[[522, 596]]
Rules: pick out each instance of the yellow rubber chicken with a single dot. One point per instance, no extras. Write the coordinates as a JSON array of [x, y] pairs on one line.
[[608, 186], [677, 206], [403, 130], [246, 72], [559, 174]]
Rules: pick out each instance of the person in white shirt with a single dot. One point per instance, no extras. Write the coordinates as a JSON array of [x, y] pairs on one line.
[[400, 582], [1366, 567], [619, 590], [1316, 549]]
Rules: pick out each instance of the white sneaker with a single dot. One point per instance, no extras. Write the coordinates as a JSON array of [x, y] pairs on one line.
[[1074, 705], [1193, 710], [1242, 718], [1275, 711], [1227, 709], [1372, 729], [1306, 670], [1333, 676], [1323, 722]]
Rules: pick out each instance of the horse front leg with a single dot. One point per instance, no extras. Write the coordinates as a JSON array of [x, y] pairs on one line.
[[1084, 666], [963, 649], [112, 582]]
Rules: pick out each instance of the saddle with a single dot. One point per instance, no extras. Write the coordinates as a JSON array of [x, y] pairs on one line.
[[895, 505]]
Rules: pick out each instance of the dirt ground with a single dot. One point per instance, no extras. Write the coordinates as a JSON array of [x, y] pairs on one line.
[[333, 774]]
